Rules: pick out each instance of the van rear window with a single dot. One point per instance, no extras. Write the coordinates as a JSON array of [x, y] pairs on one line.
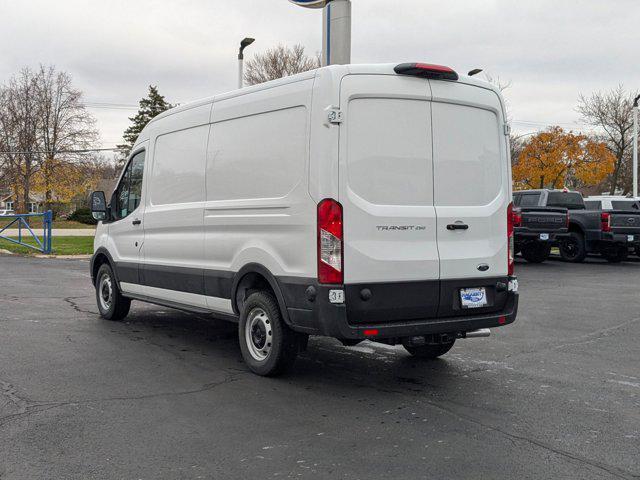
[[389, 162], [569, 200], [468, 162]]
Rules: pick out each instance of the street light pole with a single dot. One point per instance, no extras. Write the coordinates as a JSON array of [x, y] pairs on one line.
[[635, 146], [243, 44]]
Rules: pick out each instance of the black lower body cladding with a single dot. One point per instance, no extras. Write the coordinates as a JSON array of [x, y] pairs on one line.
[[393, 309], [398, 309]]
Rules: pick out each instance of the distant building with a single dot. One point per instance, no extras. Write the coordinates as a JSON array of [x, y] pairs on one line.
[[8, 202]]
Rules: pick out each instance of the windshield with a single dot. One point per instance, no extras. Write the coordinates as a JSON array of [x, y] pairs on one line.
[[569, 200], [625, 205]]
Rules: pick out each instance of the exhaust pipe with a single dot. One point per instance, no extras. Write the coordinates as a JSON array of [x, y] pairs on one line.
[[482, 332]]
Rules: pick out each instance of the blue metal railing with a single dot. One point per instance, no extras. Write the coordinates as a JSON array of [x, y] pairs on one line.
[[20, 222]]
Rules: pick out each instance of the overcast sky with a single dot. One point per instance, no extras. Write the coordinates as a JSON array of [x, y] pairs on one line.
[[551, 50]]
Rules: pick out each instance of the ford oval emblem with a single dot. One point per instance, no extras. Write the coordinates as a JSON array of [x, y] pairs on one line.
[[483, 267]]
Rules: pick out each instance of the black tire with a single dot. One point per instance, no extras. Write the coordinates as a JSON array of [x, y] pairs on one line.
[[573, 248], [268, 346], [535, 252], [616, 254], [429, 351], [111, 304]]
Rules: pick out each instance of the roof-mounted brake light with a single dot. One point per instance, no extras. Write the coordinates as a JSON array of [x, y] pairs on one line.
[[426, 70]]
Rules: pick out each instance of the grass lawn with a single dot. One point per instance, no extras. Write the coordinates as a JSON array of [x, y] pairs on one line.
[[60, 246], [37, 223]]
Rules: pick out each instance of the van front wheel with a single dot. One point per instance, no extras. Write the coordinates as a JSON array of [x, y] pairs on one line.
[[429, 351], [268, 346], [111, 304]]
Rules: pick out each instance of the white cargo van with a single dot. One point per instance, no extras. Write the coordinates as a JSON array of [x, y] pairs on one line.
[[357, 202]]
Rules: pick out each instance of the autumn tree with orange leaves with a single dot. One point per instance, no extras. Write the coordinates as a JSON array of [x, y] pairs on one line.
[[556, 159]]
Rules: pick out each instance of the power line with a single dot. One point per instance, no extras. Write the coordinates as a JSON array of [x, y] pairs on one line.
[[43, 152]]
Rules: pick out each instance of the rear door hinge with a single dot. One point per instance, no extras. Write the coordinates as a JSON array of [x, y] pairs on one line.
[[507, 129], [334, 115]]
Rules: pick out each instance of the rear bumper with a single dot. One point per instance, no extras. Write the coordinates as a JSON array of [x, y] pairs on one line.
[[621, 238], [397, 316], [528, 236]]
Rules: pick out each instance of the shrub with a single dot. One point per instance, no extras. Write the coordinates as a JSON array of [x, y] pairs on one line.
[[82, 215]]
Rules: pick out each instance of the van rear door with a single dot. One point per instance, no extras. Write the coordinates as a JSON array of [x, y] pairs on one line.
[[386, 189], [472, 191]]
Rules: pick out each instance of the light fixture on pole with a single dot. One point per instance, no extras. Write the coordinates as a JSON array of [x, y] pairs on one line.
[[243, 44], [635, 146]]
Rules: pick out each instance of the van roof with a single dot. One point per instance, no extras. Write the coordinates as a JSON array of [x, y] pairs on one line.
[[336, 70], [372, 69]]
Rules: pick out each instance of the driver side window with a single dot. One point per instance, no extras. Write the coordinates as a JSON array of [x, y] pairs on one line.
[[127, 196]]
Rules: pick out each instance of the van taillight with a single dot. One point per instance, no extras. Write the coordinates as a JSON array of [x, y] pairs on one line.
[[510, 256], [605, 220], [568, 220], [330, 261]]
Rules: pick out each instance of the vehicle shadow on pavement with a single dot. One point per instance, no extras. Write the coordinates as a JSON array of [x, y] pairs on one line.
[[213, 344]]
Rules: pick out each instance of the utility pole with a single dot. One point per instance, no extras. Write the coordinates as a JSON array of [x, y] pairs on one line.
[[243, 44], [336, 29], [635, 146]]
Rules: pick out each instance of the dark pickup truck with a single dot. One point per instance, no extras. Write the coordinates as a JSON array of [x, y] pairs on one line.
[[608, 233], [537, 228]]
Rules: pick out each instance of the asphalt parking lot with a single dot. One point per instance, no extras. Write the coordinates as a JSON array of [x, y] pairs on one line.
[[165, 394]]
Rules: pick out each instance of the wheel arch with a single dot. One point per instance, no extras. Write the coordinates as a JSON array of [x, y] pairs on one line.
[[99, 258], [254, 276], [576, 227]]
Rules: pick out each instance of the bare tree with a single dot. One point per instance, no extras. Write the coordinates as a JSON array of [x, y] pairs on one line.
[[66, 128], [501, 84], [19, 124], [278, 62], [611, 113], [44, 127]]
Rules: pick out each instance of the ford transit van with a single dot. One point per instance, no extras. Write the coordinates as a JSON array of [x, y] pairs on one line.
[[353, 201]]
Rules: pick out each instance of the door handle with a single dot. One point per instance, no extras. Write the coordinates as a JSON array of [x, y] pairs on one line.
[[137, 221], [457, 226]]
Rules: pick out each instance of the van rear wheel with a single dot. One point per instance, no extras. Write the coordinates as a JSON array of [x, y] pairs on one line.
[[268, 346], [429, 351], [111, 304]]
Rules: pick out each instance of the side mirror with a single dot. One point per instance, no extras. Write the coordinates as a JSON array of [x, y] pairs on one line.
[[98, 206]]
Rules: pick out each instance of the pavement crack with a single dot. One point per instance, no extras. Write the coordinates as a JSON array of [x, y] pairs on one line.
[[36, 407], [204, 388], [30, 410], [76, 307], [597, 335], [610, 469]]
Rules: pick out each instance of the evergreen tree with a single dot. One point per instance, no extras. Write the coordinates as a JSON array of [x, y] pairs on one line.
[[150, 106]]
